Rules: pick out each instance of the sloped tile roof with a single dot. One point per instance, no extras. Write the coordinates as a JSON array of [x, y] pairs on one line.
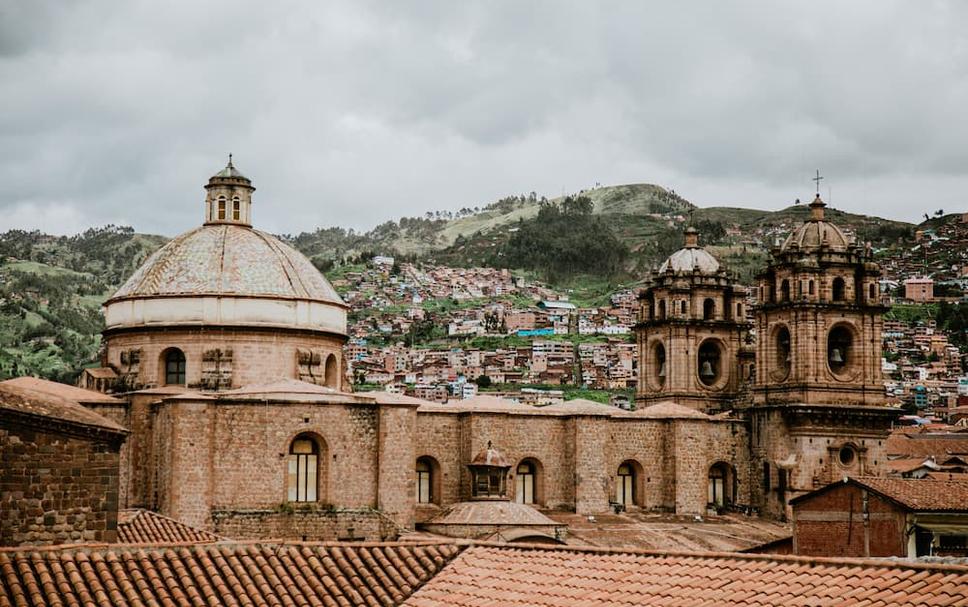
[[146, 527], [938, 445], [24, 397], [533, 576], [343, 575], [921, 494]]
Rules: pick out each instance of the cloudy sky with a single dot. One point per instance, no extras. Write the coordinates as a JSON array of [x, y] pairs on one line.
[[351, 113]]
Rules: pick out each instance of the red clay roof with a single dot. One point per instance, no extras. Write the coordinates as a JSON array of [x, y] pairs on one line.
[[938, 445], [146, 527], [54, 388], [25, 398], [220, 574], [503, 575], [921, 494]]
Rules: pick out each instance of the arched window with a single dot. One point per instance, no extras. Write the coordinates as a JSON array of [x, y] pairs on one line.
[[810, 287], [739, 311], [659, 364], [839, 342], [236, 209], [625, 484], [839, 289], [708, 309], [221, 207], [682, 306], [785, 290], [710, 362], [783, 352], [662, 309], [872, 292], [525, 484], [720, 484], [174, 367], [303, 469], [332, 372]]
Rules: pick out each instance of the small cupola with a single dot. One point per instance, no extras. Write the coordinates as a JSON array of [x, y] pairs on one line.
[[229, 197], [816, 209], [489, 472]]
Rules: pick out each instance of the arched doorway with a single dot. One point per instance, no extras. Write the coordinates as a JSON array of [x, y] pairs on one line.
[[626, 483], [525, 484], [721, 485]]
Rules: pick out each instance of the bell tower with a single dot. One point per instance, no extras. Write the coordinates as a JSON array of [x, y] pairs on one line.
[[818, 322], [818, 412], [691, 333], [228, 198]]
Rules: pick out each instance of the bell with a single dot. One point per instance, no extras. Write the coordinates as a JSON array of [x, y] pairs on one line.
[[662, 369], [835, 356], [707, 369]]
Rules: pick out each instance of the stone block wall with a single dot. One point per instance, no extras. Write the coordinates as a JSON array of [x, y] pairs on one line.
[[55, 487], [306, 524], [257, 356]]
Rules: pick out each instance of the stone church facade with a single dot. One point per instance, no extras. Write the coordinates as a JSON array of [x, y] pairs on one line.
[[228, 348]]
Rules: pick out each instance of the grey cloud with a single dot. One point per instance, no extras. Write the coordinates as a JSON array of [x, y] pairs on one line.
[[350, 113]]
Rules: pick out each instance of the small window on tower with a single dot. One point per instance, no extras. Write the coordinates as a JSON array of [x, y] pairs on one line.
[[221, 207], [236, 209]]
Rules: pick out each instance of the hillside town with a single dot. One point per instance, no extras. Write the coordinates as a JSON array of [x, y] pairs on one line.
[[444, 333]]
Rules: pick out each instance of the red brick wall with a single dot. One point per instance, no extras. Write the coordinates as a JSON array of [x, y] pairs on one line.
[[832, 524], [56, 488]]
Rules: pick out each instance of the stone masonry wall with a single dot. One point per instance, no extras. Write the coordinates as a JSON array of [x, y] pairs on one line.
[[257, 356], [304, 524], [56, 488]]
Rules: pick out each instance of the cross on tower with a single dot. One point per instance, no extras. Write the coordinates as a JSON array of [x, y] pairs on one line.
[[818, 179]]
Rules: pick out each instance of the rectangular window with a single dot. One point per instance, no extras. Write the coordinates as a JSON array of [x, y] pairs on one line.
[[221, 208], [423, 487], [236, 209], [302, 472]]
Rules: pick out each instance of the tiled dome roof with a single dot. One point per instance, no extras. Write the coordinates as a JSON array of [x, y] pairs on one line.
[[490, 457], [688, 259], [691, 257], [817, 232], [813, 234], [228, 260]]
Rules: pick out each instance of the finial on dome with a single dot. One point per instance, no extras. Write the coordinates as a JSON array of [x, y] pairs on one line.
[[816, 209], [692, 237]]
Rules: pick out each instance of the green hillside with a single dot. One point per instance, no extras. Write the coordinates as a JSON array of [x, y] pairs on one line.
[[51, 287]]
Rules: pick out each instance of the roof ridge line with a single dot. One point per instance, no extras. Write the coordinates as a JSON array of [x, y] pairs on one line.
[[789, 558]]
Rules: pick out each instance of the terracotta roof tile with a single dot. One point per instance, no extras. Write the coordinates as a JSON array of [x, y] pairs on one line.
[[541, 576], [439, 573], [220, 574], [146, 527], [922, 493]]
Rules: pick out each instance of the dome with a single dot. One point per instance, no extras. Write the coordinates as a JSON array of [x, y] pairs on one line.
[[816, 232], [228, 260], [226, 274], [490, 457], [689, 259]]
